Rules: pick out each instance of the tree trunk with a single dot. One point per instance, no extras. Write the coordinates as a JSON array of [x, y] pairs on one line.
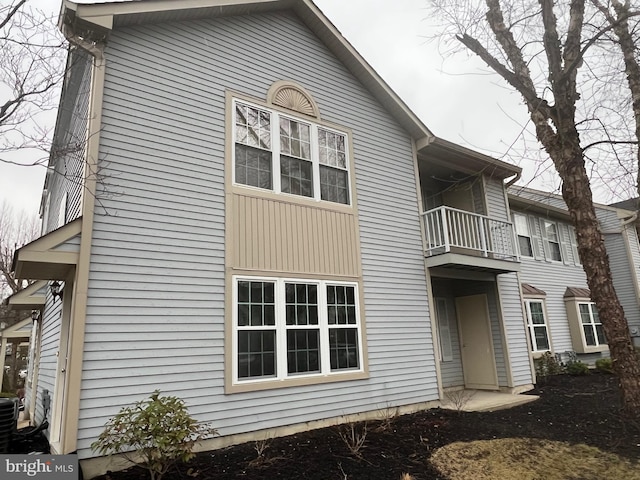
[[576, 192], [595, 261]]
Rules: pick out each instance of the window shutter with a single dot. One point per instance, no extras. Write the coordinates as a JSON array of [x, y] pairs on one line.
[[444, 331], [536, 242], [574, 245], [563, 237]]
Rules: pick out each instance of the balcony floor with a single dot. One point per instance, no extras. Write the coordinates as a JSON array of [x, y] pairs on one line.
[[473, 262]]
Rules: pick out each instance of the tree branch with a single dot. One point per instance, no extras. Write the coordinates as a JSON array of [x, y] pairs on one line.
[[11, 13]]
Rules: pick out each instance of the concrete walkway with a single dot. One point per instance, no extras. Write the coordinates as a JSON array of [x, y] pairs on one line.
[[21, 421], [483, 401]]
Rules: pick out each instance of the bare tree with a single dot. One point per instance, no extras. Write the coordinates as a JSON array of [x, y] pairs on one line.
[[539, 49], [32, 54], [16, 229], [618, 16]]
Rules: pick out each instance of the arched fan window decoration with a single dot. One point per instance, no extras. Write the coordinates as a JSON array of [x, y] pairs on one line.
[[293, 97]]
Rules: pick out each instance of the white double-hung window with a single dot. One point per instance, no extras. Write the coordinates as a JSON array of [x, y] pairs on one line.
[[288, 328], [537, 325], [552, 241], [524, 237], [285, 154], [591, 325]]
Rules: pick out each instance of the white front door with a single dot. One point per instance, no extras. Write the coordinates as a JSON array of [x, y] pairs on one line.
[[476, 344]]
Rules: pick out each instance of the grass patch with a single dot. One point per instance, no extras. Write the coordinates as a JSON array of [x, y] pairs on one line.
[[530, 459]]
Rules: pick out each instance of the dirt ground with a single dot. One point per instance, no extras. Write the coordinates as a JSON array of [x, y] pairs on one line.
[[571, 409]]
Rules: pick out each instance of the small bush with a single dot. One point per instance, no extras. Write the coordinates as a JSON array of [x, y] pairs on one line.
[[604, 365], [354, 436], [154, 433], [576, 367], [547, 365]]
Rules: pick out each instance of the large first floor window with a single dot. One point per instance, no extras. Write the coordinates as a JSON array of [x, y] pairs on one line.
[[537, 326], [285, 328], [591, 326]]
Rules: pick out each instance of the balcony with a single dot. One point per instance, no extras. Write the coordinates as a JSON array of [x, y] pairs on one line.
[[457, 238]]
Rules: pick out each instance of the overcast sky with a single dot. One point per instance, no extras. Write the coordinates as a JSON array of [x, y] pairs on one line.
[[470, 109]]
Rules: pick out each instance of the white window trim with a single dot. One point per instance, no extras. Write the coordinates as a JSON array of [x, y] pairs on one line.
[[531, 326], [529, 234], [547, 242], [592, 324], [275, 153], [573, 241], [281, 330]]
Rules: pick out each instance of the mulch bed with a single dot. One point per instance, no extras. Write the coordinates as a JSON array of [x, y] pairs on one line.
[[571, 409]]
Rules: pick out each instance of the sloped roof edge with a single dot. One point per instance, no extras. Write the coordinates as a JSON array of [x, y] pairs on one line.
[[577, 292], [104, 16], [531, 290], [28, 298]]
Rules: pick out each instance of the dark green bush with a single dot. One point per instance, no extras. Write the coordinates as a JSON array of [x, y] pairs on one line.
[[154, 433], [577, 368], [604, 365]]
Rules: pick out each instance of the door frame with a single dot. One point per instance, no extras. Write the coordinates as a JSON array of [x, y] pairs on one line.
[[489, 339]]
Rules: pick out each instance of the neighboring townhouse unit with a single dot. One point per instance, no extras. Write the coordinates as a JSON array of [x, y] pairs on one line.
[[560, 314], [240, 212]]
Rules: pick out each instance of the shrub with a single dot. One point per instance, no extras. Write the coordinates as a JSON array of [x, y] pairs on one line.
[[547, 365], [354, 436], [154, 433], [604, 365], [576, 367]]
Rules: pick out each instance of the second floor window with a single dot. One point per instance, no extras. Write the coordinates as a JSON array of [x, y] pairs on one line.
[[524, 237], [552, 239], [284, 154]]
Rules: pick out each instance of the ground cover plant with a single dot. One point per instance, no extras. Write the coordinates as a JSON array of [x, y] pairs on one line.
[[579, 411]]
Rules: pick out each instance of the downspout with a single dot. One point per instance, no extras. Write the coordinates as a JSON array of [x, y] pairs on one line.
[[71, 408], [631, 219]]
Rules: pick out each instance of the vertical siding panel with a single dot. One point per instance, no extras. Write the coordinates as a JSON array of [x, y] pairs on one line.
[[275, 228], [315, 241]]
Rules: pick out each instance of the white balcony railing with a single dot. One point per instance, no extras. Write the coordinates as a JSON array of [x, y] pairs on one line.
[[450, 229]]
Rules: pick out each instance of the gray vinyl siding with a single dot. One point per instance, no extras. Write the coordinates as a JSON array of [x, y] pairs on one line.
[[50, 345], [496, 199], [623, 271], [514, 326], [65, 177], [553, 278], [631, 236], [451, 372], [155, 315], [478, 197]]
